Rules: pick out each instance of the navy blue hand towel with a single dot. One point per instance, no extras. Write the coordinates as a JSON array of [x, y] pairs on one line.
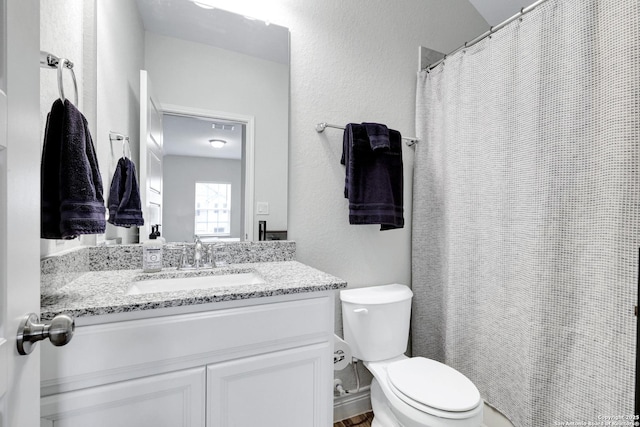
[[378, 136], [125, 208], [373, 179], [71, 187]]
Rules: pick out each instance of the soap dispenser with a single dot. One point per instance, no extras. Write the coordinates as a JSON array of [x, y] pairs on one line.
[[152, 252]]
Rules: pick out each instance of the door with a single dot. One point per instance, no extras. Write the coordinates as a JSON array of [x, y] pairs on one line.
[[150, 156], [19, 206]]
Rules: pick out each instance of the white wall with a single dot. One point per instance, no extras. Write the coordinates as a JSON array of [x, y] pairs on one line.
[[61, 33], [351, 62], [120, 57], [195, 75], [180, 174]]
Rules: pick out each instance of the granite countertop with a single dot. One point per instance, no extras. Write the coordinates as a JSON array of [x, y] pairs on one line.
[[105, 292]]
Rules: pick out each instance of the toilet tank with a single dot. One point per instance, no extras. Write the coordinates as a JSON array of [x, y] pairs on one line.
[[376, 321]]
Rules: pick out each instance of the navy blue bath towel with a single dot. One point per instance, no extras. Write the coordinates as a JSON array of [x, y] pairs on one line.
[[374, 178], [125, 208], [71, 187]]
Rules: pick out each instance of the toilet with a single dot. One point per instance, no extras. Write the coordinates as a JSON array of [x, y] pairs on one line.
[[405, 391]]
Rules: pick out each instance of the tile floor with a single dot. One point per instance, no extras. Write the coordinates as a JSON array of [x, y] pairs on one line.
[[363, 420]]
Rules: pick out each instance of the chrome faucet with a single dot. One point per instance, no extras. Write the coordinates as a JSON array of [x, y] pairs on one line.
[[202, 256]]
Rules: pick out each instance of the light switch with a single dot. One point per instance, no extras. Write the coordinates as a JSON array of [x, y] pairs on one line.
[[263, 208]]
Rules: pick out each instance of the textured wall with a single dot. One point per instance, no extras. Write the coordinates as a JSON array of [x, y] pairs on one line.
[[354, 61], [351, 62]]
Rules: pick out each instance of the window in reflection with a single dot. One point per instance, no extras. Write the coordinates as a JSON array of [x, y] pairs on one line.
[[213, 209]]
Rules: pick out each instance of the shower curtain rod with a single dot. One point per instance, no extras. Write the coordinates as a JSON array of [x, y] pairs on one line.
[[320, 127], [492, 30]]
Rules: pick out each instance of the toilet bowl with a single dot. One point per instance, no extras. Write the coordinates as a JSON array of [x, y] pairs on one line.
[[405, 392]]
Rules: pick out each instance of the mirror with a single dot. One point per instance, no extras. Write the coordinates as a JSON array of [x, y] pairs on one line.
[[204, 63], [215, 75]]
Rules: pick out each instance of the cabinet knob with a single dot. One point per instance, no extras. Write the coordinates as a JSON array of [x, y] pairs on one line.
[[59, 331]]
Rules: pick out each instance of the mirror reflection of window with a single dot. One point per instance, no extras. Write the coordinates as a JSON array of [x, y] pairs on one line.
[[213, 209]]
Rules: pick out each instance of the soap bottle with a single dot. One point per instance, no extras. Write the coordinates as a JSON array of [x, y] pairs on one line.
[[152, 252]]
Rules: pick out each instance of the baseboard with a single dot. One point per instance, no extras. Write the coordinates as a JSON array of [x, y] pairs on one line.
[[351, 404]]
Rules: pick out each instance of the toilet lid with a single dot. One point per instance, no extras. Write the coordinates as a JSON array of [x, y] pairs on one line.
[[433, 384]]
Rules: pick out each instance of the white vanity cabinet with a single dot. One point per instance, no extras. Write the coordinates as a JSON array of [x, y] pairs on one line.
[[256, 362], [173, 399]]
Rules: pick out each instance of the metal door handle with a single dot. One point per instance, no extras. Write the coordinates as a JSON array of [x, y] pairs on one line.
[[59, 331]]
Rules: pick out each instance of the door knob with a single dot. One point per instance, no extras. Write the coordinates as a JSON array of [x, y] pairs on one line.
[[59, 331]]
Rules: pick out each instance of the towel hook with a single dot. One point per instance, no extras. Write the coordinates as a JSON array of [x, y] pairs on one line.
[[126, 145], [114, 136], [64, 63]]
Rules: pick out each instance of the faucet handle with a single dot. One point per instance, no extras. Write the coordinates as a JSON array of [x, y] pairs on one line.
[[183, 261], [220, 254], [210, 259]]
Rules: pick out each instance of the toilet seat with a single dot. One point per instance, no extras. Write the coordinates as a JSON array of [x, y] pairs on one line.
[[449, 391]]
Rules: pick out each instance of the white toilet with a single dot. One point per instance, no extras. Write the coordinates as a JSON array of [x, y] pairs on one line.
[[405, 392]]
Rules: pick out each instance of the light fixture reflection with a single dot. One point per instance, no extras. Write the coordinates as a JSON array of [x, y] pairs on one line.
[[202, 4], [217, 143]]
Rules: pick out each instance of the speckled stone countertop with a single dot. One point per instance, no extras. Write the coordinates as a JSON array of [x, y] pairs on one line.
[[94, 281], [104, 292]]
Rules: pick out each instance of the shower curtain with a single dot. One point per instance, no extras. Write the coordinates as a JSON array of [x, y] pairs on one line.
[[526, 213]]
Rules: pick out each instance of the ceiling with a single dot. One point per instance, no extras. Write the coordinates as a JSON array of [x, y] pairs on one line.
[[189, 136], [230, 31], [497, 11], [182, 19], [216, 27]]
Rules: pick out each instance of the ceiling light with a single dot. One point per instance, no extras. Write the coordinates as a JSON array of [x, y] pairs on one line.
[[202, 4], [217, 143]]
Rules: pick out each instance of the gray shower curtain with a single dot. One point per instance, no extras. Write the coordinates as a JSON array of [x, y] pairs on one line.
[[526, 213]]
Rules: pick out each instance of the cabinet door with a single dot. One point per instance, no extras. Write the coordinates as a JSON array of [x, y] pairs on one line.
[[172, 400], [290, 387]]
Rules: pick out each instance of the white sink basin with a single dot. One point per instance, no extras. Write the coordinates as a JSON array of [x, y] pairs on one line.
[[187, 283]]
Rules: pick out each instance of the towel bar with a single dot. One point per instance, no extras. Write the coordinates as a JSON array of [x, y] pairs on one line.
[[320, 127]]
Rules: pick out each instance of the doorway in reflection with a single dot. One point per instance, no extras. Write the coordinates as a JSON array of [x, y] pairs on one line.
[[203, 178]]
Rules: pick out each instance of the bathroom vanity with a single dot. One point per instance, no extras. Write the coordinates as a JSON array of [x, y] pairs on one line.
[[242, 355]]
